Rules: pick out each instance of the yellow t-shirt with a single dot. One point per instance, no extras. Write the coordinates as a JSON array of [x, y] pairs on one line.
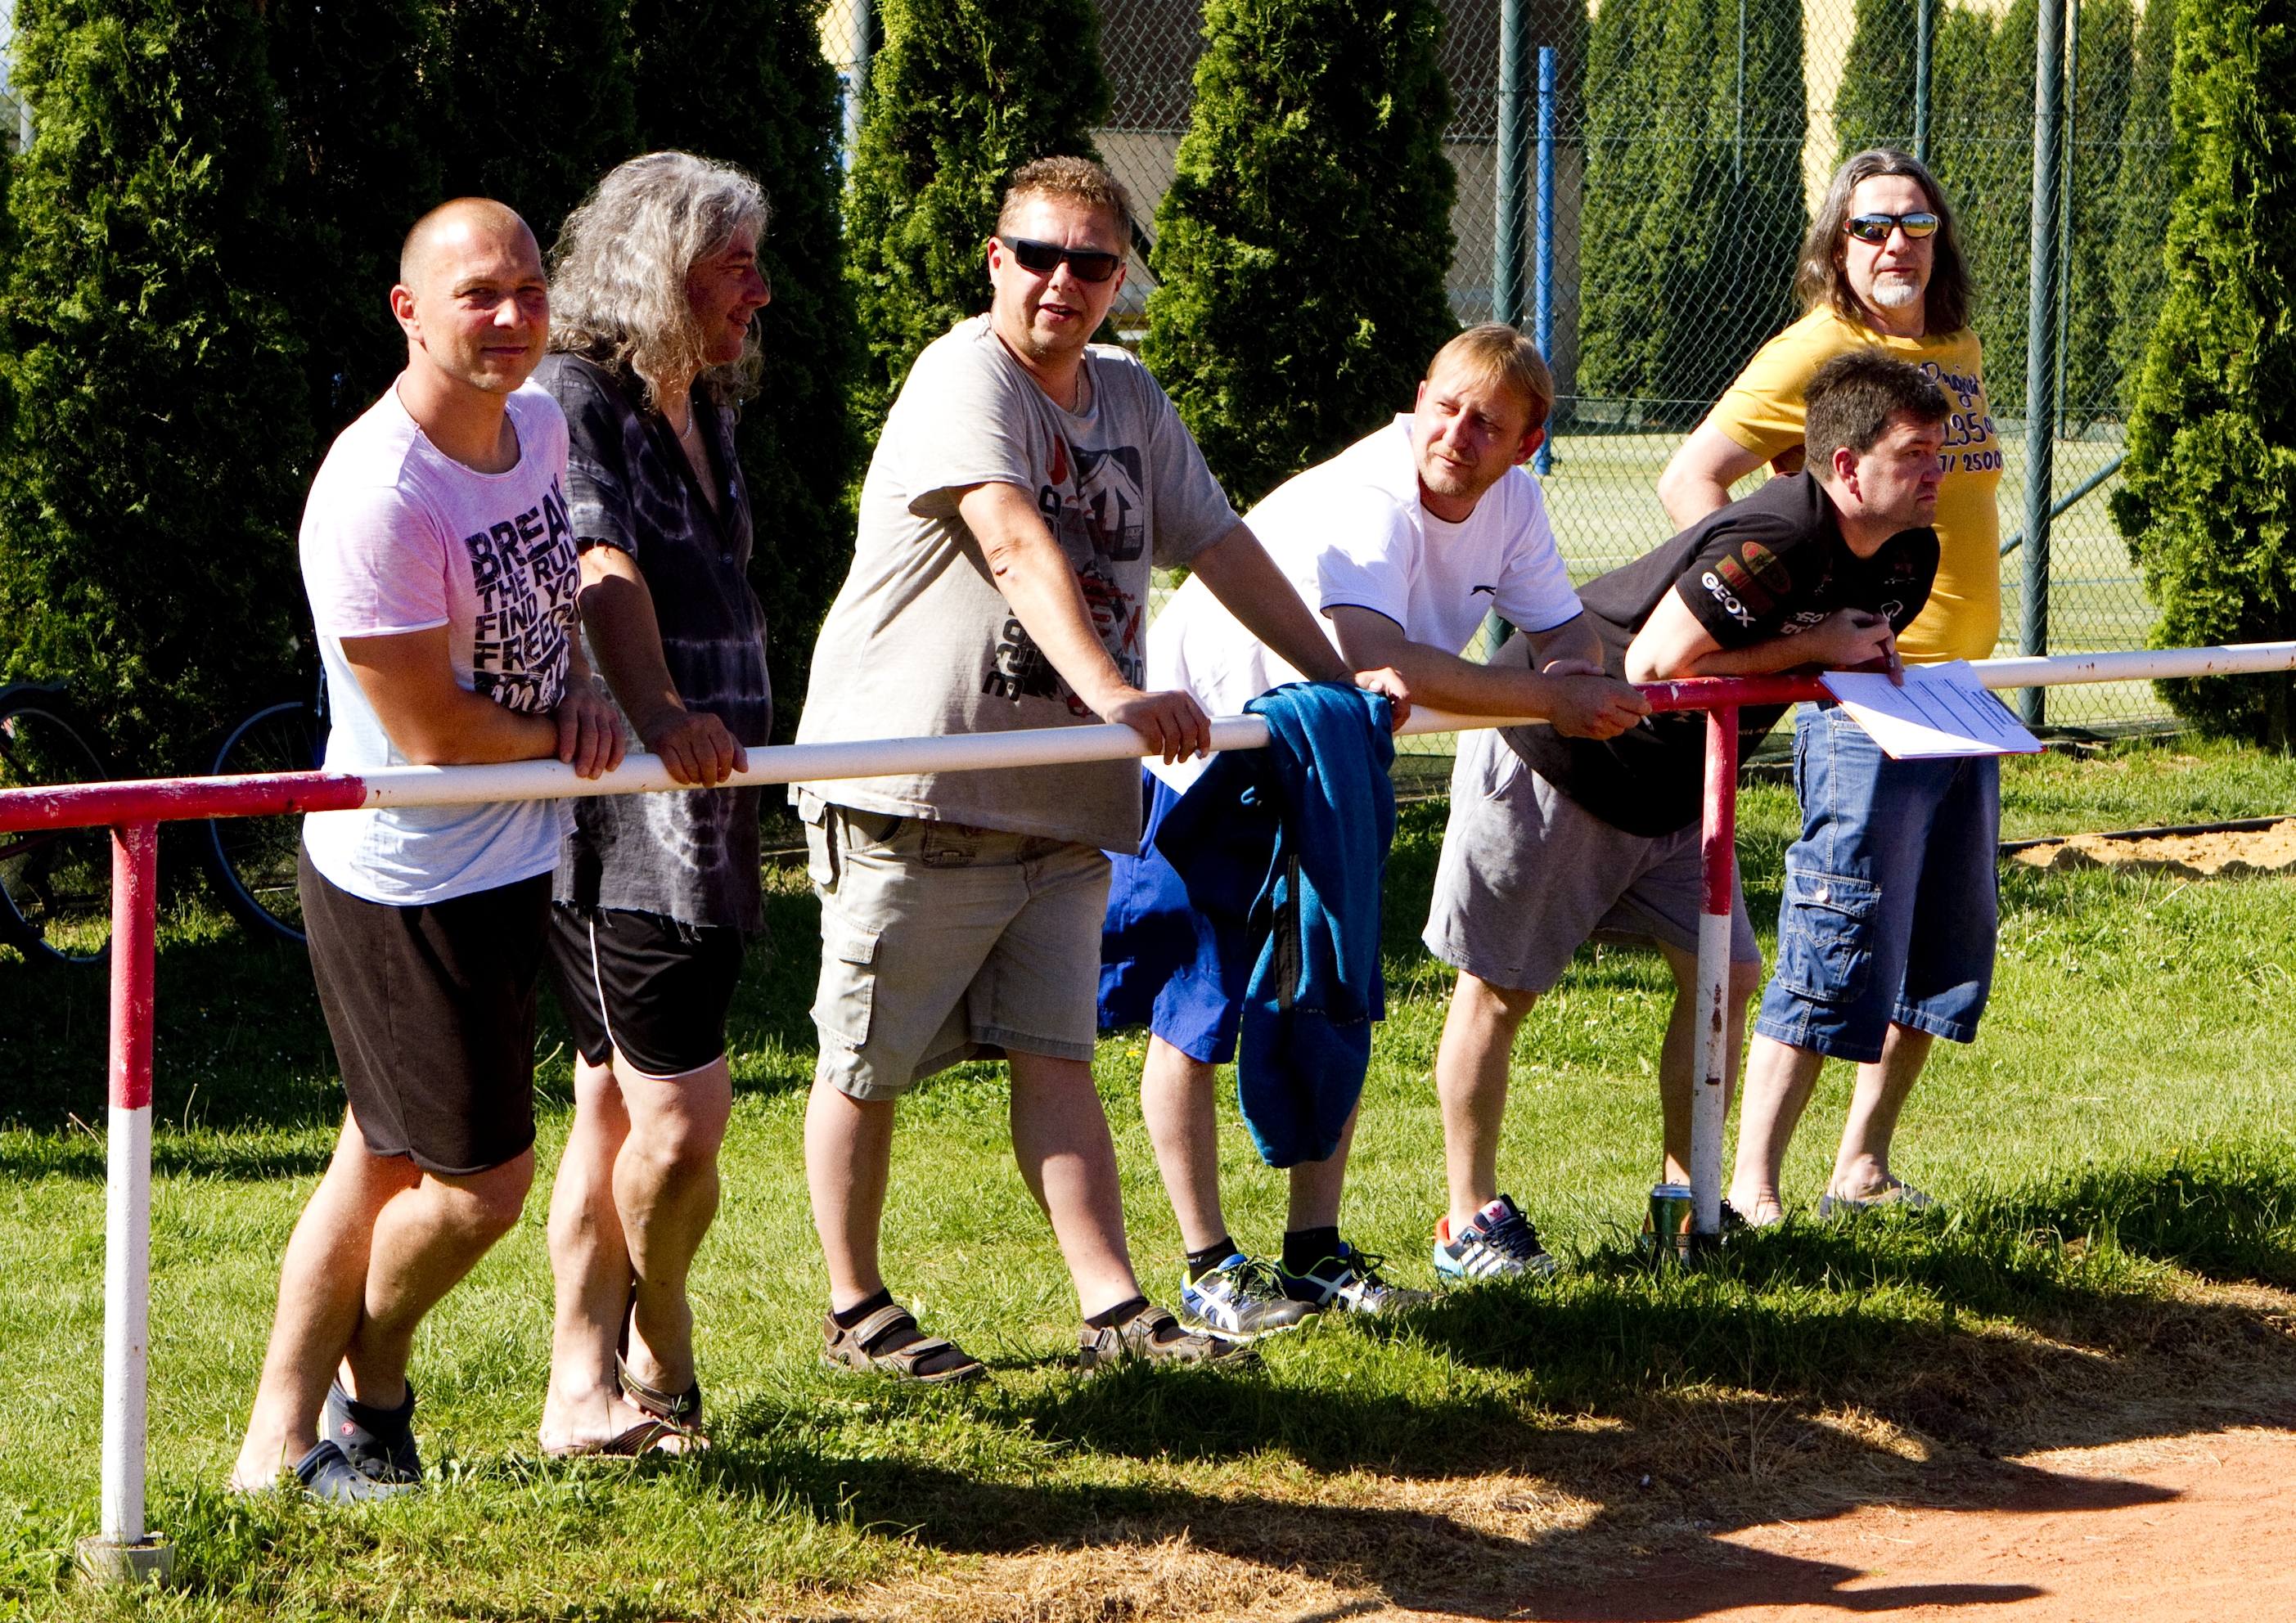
[[1762, 411]]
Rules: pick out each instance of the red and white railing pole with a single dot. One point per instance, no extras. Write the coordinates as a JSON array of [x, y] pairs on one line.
[[125, 1550], [1711, 1056]]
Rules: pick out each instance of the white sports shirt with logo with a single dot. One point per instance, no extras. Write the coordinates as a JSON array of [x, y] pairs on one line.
[[1352, 533]]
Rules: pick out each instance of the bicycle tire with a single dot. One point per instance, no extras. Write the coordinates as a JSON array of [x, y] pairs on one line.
[[251, 860], [55, 885]]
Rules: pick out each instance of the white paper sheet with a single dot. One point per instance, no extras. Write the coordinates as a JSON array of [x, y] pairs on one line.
[[1942, 710]]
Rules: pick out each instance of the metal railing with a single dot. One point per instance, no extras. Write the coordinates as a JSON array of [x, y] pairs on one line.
[[126, 1550]]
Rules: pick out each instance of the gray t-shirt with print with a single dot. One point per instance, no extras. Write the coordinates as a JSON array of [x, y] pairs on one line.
[[919, 641]]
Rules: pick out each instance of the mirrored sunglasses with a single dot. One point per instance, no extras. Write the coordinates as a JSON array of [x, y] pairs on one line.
[[1876, 228], [1041, 258]]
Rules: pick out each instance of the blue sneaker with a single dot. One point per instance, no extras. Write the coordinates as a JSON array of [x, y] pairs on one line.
[[1242, 1299], [1498, 1243], [1349, 1283], [326, 1472]]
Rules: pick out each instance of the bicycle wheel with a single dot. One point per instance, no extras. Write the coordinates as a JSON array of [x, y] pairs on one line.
[[55, 885], [252, 859]]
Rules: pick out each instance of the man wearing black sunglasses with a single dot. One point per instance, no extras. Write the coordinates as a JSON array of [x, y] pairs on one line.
[[1024, 483], [1881, 269]]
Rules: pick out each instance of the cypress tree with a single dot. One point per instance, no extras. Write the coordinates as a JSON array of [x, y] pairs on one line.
[[1301, 252], [744, 81], [1874, 106], [2147, 190], [362, 166], [532, 112], [2092, 190], [1621, 288], [1694, 268], [960, 95], [148, 494], [2211, 471]]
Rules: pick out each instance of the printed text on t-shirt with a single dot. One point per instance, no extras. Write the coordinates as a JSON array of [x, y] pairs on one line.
[[524, 572]]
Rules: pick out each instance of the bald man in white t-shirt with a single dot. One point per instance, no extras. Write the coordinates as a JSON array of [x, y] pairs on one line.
[[1405, 542]]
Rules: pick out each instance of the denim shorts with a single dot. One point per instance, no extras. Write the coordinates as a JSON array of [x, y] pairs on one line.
[[1891, 894]]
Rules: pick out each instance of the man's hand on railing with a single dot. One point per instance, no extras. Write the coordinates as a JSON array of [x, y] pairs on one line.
[[1173, 723], [1390, 681], [1585, 703], [589, 737], [695, 746]]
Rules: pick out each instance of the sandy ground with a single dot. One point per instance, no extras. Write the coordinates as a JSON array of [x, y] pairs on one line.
[[2270, 850], [2173, 1530]]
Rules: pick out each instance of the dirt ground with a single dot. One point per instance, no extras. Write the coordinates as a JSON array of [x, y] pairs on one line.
[[2270, 850], [2018, 1478]]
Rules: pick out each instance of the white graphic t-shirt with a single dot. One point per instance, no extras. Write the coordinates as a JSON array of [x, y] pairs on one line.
[[398, 537], [920, 642], [1352, 533]]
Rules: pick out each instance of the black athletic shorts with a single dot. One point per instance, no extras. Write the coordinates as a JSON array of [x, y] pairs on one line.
[[653, 988], [431, 1010]]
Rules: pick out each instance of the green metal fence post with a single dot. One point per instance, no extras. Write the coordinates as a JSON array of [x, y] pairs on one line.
[[2040, 336], [1514, 162], [1922, 79]]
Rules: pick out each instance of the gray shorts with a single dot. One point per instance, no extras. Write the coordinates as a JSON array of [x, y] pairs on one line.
[[942, 942], [1526, 874]]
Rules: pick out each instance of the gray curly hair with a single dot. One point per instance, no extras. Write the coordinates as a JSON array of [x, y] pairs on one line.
[[617, 271]]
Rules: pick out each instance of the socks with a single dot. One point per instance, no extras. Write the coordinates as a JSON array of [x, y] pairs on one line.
[[893, 1340], [1117, 1314], [1304, 1248], [1200, 1263]]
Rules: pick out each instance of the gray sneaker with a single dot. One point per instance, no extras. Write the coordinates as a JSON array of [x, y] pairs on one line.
[[1350, 1283], [1153, 1335], [1240, 1300]]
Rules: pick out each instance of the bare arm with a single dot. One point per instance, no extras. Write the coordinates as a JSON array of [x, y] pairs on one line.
[[1699, 478], [1033, 574], [617, 612], [1579, 704], [1673, 644], [437, 722], [1238, 571]]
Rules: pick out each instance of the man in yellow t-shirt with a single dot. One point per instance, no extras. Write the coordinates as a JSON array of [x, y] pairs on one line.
[[1886, 930]]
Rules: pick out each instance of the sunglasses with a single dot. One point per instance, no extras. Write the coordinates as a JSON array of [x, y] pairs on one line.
[[1042, 258], [1877, 227]]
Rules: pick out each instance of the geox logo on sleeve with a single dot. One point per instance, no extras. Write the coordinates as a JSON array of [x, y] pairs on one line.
[[1728, 600]]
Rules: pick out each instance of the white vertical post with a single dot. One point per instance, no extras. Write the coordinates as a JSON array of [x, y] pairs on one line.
[[125, 1551]]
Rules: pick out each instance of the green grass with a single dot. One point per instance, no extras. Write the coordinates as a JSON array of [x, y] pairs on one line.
[[2111, 1152]]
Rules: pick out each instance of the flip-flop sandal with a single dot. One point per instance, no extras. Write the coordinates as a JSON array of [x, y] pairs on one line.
[[859, 1347], [644, 1438], [676, 1414], [1897, 1195]]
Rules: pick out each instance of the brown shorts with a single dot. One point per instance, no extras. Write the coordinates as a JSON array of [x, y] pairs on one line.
[[432, 1011]]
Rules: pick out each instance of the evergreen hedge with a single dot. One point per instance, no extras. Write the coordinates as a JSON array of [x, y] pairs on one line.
[[960, 95], [156, 425], [1301, 250], [2148, 193], [1691, 230], [529, 108], [745, 82], [2212, 472]]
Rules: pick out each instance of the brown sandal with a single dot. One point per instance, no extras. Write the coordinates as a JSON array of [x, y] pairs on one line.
[[673, 1414], [855, 1348]]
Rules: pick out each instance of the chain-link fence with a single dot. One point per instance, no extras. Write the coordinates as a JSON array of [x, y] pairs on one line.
[[1635, 187]]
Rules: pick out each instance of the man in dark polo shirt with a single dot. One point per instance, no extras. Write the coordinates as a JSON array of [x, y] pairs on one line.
[[1554, 840]]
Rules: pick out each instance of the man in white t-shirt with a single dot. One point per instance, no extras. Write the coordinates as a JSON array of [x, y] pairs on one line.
[[441, 567], [1406, 542]]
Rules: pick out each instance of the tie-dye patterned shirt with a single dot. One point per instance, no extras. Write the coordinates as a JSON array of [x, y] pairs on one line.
[[686, 855]]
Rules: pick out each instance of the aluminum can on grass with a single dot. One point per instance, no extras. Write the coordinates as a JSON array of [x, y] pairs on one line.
[[1668, 1231]]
